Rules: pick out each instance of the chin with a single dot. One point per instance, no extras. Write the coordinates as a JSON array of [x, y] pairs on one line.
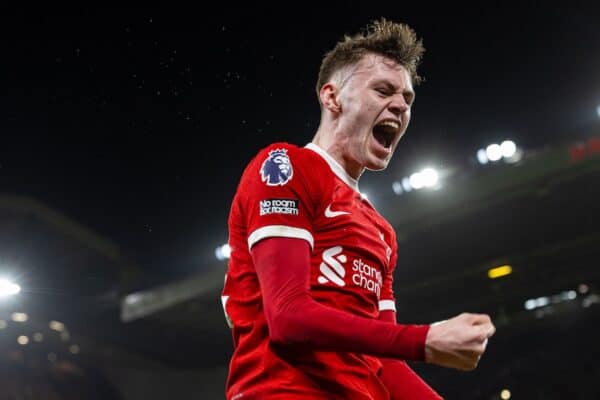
[[377, 166]]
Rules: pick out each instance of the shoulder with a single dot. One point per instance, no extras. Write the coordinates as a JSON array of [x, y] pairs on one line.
[[287, 150], [281, 162]]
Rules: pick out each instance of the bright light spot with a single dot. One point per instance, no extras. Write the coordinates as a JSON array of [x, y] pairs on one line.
[[74, 349], [38, 337], [8, 288], [364, 196], [416, 181], [57, 326], [51, 357], [482, 157], [2, 324], [500, 271], [598, 111], [542, 301], [493, 152], [23, 340], [133, 298], [508, 148], [505, 394], [583, 288], [223, 252], [530, 304], [406, 184], [397, 187], [515, 157], [426, 178], [19, 317], [429, 177], [554, 299]]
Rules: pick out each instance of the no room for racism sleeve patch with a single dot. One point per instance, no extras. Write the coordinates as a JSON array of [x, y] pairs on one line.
[[278, 206]]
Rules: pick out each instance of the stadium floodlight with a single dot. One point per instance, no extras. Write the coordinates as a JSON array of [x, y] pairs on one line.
[[416, 181], [542, 301], [56, 326], [508, 148], [515, 157], [8, 288], [505, 394], [482, 157], [430, 177], [223, 252], [397, 187], [530, 304], [426, 178], [19, 317], [493, 152], [406, 184], [23, 340], [598, 111]]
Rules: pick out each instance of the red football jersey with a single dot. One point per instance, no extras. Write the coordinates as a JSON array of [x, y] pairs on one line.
[[287, 191]]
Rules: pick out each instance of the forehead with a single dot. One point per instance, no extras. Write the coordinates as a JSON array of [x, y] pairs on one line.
[[373, 68]]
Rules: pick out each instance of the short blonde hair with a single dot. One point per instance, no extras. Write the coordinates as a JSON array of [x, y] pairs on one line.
[[393, 40]]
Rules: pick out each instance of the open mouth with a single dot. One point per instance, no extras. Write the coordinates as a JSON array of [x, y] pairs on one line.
[[385, 132]]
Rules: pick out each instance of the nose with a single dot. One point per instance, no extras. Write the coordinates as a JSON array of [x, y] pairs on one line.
[[398, 105]]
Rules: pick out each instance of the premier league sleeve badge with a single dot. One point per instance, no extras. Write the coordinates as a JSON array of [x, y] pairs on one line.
[[277, 169]]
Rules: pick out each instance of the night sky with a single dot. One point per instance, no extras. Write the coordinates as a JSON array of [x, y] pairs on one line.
[[138, 123]]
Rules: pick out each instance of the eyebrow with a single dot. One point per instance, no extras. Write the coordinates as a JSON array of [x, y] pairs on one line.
[[394, 88]]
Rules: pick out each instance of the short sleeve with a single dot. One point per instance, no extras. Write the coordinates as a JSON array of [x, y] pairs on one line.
[[275, 195]]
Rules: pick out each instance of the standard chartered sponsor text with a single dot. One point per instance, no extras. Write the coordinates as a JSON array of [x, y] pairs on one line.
[[366, 276]]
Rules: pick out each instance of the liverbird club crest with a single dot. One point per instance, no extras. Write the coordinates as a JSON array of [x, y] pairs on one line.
[[277, 169]]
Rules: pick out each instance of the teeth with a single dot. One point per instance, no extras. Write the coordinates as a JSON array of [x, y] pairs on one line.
[[392, 124]]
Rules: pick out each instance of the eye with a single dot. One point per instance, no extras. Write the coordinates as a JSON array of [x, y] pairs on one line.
[[383, 91]]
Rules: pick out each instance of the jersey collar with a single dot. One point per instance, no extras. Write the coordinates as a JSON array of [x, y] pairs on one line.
[[335, 166]]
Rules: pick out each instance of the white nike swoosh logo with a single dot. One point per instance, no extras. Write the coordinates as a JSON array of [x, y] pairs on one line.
[[333, 214]]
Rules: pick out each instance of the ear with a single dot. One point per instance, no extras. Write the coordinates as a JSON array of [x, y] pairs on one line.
[[329, 98]]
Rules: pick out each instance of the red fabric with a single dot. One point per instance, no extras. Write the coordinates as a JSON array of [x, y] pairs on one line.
[[302, 195], [399, 379], [293, 317]]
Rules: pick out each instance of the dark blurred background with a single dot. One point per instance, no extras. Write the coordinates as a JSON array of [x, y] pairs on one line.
[[124, 133]]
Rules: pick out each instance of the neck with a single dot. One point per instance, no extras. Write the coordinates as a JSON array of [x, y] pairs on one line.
[[335, 143]]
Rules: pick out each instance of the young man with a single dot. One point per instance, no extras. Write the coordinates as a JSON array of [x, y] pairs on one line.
[[308, 292]]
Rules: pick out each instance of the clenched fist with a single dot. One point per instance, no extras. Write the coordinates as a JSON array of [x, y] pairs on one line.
[[458, 342]]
